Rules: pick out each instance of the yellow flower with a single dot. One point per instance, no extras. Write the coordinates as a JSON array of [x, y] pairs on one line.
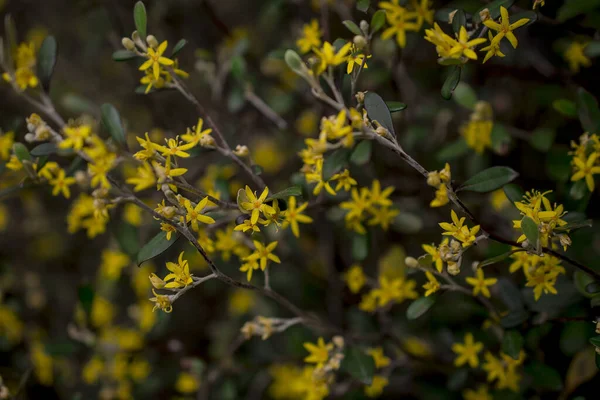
[[293, 215], [148, 146], [316, 175], [493, 49], [576, 57], [92, 370], [187, 383], [328, 57], [61, 184], [155, 60], [102, 312], [263, 253], [443, 42], [241, 301], [539, 3], [248, 268], [505, 28], [478, 134], [194, 214], [359, 203], [132, 214], [435, 254], [368, 302], [255, 205], [319, 353], [6, 144], [585, 169], [499, 200], [198, 135], [542, 281], [99, 169], [459, 231], [355, 59], [480, 394], [355, 278], [383, 216], [480, 284], [174, 148], [394, 290], [246, 226], [311, 37], [375, 389], [344, 180], [381, 361], [42, 364], [432, 284], [424, 13], [467, 352], [161, 301], [113, 263], [180, 273], [143, 179], [441, 197], [399, 24], [75, 137], [464, 46], [168, 228]]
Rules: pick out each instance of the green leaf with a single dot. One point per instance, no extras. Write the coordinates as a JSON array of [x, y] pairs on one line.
[[566, 107], [465, 95], [514, 318], [395, 106], [573, 8], [581, 281], [582, 369], [363, 5], [531, 231], [497, 259], [257, 169], [352, 27], [406, 222], [378, 20], [21, 152], [544, 376], [238, 68], [46, 60], [140, 19], [127, 237], [513, 192], [293, 60], [459, 20], [489, 180], [453, 150], [593, 287], [44, 149], [156, 246], [589, 113], [360, 247], [578, 190], [510, 294], [595, 341], [419, 307], [86, 297], [123, 55], [335, 162], [542, 138], [358, 364], [378, 111], [361, 153], [112, 121], [451, 82], [592, 49], [178, 47], [494, 8], [512, 343], [528, 14], [286, 193]]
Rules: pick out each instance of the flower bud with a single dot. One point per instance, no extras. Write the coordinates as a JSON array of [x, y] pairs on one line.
[[81, 178], [484, 15], [433, 179], [152, 42], [241, 151], [29, 137], [360, 42], [453, 268], [294, 61], [451, 16], [381, 131], [128, 44], [157, 282], [364, 26], [411, 262], [168, 212], [338, 341]]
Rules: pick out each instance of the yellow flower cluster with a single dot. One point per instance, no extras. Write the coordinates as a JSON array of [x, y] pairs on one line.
[[503, 370], [439, 180], [541, 272], [585, 159], [478, 131], [24, 69], [388, 292], [370, 203], [459, 231], [546, 216], [576, 57], [403, 18]]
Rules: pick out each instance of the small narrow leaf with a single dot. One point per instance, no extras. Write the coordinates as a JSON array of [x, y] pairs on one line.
[[566, 107], [360, 247], [363, 5], [379, 111], [46, 60], [531, 231], [459, 20], [395, 106], [140, 19], [352, 27], [361, 153], [451, 82], [512, 343], [156, 246], [359, 365], [378, 21], [44, 149], [286, 193], [497, 259], [86, 297], [123, 55], [112, 121], [335, 162], [489, 180], [21, 152], [589, 113], [419, 307], [178, 47], [465, 95]]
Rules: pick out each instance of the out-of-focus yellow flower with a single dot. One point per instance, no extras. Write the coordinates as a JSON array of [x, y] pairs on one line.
[[375, 389], [187, 383], [311, 37], [355, 278], [467, 352]]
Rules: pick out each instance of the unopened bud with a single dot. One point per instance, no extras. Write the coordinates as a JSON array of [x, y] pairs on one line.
[[411, 262], [81, 178], [484, 15], [451, 16], [381, 131], [157, 282], [29, 137], [565, 240], [360, 42], [453, 268], [152, 42], [364, 26], [241, 151], [338, 341], [294, 61], [168, 212], [128, 44], [433, 179], [360, 97]]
